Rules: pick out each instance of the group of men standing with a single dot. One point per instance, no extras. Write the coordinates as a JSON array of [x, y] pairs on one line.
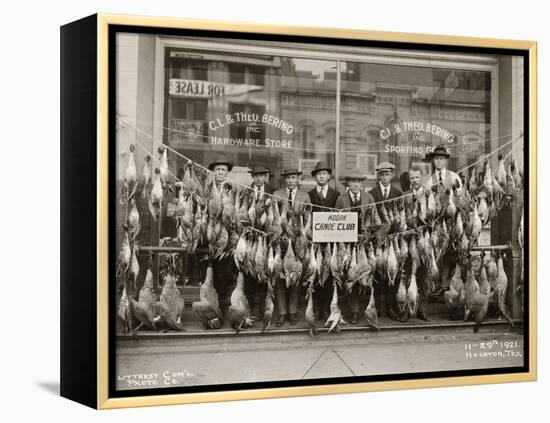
[[321, 198]]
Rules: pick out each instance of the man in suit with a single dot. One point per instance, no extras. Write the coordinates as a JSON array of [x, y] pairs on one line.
[[225, 270], [323, 198], [417, 191], [441, 175], [446, 178], [255, 291], [295, 199], [291, 193], [352, 200], [381, 192]]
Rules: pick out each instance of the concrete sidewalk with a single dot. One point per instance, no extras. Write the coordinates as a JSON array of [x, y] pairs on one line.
[[165, 362]]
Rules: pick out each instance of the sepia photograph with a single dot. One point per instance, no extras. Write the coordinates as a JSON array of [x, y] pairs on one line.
[[296, 212]]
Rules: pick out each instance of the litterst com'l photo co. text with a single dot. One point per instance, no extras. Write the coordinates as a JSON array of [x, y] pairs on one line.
[[289, 212]]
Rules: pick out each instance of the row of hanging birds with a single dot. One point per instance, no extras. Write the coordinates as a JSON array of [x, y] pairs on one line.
[[269, 240]]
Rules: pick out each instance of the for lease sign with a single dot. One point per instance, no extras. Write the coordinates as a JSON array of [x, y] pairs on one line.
[[335, 227]]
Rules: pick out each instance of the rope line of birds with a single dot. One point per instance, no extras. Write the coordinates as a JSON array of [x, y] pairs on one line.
[[269, 240]]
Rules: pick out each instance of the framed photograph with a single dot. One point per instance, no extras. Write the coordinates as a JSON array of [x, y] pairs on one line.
[[188, 270]]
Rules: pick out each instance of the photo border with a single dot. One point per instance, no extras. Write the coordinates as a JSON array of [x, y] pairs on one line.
[[108, 26]]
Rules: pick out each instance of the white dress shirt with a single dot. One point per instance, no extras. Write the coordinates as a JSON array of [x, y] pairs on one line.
[[385, 193], [258, 192], [322, 191], [293, 193]]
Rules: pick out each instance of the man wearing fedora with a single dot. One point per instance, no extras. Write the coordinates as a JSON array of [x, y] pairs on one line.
[[353, 200], [220, 168], [323, 198], [416, 193], [259, 186], [439, 158], [295, 198], [448, 179], [225, 270], [254, 290], [381, 192], [291, 193]]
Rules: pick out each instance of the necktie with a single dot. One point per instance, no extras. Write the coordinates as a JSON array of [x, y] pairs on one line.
[[386, 192], [290, 197], [355, 197], [440, 178]]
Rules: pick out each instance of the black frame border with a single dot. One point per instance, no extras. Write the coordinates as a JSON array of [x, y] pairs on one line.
[[112, 32]]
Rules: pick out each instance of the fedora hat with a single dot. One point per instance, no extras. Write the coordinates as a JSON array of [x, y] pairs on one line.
[[356, 174], [256, 169], [438, 151], [291, 171], [221, 160], [321, 166], [385, 166]]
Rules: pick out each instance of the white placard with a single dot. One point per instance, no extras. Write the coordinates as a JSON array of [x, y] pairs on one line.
[[335, 227]]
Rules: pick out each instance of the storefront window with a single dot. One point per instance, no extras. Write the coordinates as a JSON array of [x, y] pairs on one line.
[[397, 113], [278, 112], [291, 108]]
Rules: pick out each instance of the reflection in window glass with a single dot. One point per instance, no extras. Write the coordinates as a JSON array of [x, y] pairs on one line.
[[401, 112]]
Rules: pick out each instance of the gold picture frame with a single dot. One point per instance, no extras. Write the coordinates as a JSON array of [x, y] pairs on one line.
[[97, 32]]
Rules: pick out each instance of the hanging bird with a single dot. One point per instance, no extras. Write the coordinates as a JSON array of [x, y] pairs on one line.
[[207, 308], [484, 285], [144, 309], [370, 312], [240, 252], [124, 312], [278, 265], [239, 310], [269, 307], [156, 199], [311, 270], [391, 265], [516, 176], [310, 315], [171, 304], [215, 202], [471, 286], [144, 182], [450, 212], [124, 255], [229, 216], [453, 295], [133, 271], [163, 168], [335, 319], [501, 283], [130, 178], [325, 267], [478, 307], [401, 295], [292, 267], [473, 228], [260, 261], [412, 294]]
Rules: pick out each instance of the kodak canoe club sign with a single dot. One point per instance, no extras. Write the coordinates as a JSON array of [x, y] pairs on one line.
[[420, 130], [335, 227]]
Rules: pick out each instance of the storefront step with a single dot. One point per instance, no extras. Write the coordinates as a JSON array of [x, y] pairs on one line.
[[436, 310], [194, 329]]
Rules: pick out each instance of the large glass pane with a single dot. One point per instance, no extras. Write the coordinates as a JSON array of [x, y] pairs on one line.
[[398, 114]]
